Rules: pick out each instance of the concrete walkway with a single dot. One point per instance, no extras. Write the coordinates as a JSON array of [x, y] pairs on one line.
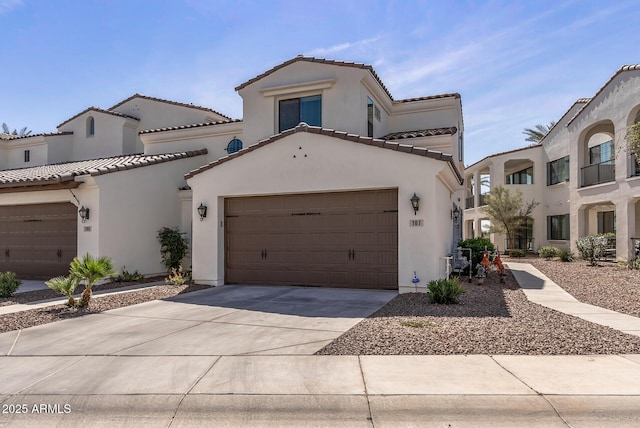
[[541, 290]]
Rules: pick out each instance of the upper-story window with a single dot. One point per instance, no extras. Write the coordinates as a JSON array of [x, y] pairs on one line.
[[601, 153], [369, 117], [91, 126], [296, 110], [558, 171], [524, 176], [27, 155], [234, 145]]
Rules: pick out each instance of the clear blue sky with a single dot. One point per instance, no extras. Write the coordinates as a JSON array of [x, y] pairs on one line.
[[516, 63]]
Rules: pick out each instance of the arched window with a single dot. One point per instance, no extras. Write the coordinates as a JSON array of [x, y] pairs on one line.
[[91, 126], [234, 145]]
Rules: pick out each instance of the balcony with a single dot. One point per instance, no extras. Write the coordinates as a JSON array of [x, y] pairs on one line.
[[482, 201], [598, 173], [468, 202]]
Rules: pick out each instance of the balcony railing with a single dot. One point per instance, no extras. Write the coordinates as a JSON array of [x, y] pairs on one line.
[[482, 201], [598, 173], [468, 202]]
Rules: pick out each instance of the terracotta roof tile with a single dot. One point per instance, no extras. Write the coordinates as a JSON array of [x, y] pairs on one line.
[[193, 125], [99, 110], [46, 134], [175, 103], [504, 153], [622, 69], [420, 133], [429, 97], [62, 172], [343, 136]]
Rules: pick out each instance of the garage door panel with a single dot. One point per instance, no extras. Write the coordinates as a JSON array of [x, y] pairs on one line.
[[346, 239]]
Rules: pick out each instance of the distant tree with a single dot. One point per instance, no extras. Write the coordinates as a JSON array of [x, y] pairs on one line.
[[633, 140], [507, 211], [536, 134], [22, 133]]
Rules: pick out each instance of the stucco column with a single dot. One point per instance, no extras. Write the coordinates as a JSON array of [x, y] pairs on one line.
[[578, 227], [476, 191], [625, 229]]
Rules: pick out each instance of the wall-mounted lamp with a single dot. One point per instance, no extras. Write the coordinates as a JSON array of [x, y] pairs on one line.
[[202, 211], [84, 213], [455, 213], [415, 203]]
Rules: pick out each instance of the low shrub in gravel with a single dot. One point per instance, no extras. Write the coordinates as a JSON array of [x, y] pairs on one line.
[[445, 291], [592, 248], [566, 255], [8, 284], [548, 252], [478, 247]]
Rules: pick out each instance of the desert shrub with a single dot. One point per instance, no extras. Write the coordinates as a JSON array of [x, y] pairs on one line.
[[566, 255], [178, 276], [478, 247], [445, 291], [592, 248], [517, 253], [548, 252], [8, 284], [173, 247], [126, 276]]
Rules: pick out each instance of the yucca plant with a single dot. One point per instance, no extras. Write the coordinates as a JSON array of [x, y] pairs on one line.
[[90, 270], [65, 285]]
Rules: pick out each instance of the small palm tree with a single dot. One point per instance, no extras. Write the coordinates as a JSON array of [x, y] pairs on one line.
[[537, 134], [23, 132], [65, 285], [90, 270]]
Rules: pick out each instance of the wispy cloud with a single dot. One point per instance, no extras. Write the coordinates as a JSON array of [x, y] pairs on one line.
[[7, 6], [343, 47]]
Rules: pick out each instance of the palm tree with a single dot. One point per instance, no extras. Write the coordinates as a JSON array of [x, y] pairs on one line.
[[23, 132], [65, 285], [90, 270], [537, 134]]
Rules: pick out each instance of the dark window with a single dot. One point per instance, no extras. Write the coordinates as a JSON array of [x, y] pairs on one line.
[[523, 236], [460, 144], [601, 153], [296, 110], [369, 117], [521, 177], [27, 155], [558, 227], [234, 145], [91, 126], [558, 171], [607, 222]]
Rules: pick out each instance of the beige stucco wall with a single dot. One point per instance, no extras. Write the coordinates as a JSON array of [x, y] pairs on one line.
[[331, 165]]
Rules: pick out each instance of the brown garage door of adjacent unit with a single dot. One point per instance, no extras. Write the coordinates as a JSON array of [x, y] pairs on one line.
[[346, 239], [38, 241]]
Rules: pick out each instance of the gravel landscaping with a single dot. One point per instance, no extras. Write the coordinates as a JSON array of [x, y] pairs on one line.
[[33, 317], [608, 285], [494, 318]]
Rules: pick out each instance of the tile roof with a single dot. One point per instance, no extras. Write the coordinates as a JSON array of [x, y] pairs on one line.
[[620, 70], [429, 97], [320, 61], [303, 127], [504, 153], [420, 133], [578, 101], [99, 110], [175, 103], [66, 172], [20, 137], [193, 125]]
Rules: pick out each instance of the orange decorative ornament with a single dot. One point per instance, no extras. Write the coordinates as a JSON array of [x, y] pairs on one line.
[[497, 262], [485, 262]]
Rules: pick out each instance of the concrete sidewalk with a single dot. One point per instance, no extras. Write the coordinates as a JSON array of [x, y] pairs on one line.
[[541, 290]]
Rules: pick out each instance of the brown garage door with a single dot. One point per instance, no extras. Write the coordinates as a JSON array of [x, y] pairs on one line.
[[346, 239], [38, 241]]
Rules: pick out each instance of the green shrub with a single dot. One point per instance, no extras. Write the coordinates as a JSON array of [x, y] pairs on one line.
[[126, 276], [173, 247], [592, 247], [478, 247], [8, 284], [445, 291], [517, 253], [548, 252], [566, 255]]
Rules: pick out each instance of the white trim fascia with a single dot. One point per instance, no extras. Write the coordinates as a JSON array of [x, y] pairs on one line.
[[316, 85]]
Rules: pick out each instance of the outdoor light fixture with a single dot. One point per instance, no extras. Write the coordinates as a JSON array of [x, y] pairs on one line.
[[415, 203], [84, 213], [455, 213], [202, 210]]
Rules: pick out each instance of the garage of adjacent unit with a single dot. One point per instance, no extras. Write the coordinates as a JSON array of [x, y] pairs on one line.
[[38, 241], [338, 239]]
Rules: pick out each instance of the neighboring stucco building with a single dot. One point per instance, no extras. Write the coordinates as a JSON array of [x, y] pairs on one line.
[[581, 173], [326, 202]]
